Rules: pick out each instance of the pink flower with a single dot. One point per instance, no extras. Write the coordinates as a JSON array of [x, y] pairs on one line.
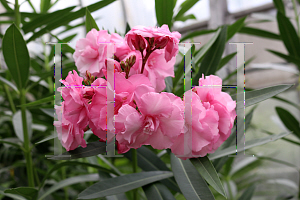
[[75, 109], [158, 123], [69, 134], [91, 52], [162, 36], [124, 93], [213, 114]]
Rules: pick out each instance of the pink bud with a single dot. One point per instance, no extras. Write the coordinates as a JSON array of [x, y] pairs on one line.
[[161, 42]]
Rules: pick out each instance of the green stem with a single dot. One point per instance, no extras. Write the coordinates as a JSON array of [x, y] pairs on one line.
[[27, 148], [11, 102], [134, 169], [17, 14], [296, 16], [63, 174]]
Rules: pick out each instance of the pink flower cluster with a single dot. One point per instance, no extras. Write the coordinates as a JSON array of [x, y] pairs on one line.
[[144, 115]]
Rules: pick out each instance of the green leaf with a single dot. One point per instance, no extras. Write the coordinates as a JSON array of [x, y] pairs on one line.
[[38, 102], [208, 172], [72, 163], [259, 33], [279, 6], [46, 19], [189, 180], [90, 22], [184, 7], [16, 56], [197, 33], [6, 6], [213, 57], [288, 58], [207, 46], [289, 121], [249, 166], [158, 191], [45, 5], [149, 161], [235, 27], [18, 126], [164, 12], [225, 60], [180, 70], [286, 139], [27, 192], [169, 84], [249, 144], [70, 17], [50, 137], [122, 184], [248, 193], [69, 181], [257, 96], [92, 149], [127, 28], [288, 35], [186, 17], [10, 84], [17, 197]]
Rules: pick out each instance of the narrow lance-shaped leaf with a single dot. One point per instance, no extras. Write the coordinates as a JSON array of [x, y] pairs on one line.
[[235, 27], [164, 12], [27, 192], [70, 17], [149, 161], [257, 96], [158, 191], [38, 102], [289, 121], [16, 56], [288, 58], [288, 35], [184, 7], [208, 172], [248, 193], [259, 33], [190, 182], [90, 22], [46, 19], [67, 182], [249, 144], [18, 126], [92, 149], [122, 184], [279, 6], [213, 57]]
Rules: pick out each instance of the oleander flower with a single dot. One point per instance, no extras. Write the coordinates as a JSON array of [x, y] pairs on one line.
[[91, 52], [75, 105], [157, 123], [69, 134], [213, 114]]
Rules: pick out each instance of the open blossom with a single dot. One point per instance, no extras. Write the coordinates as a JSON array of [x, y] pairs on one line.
[[163, 38], [158, 122], [69, 134], [75, 105], [124, 93], [91, 52], [213, 114]]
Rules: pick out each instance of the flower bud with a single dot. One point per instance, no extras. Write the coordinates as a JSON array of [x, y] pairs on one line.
[[160, 42], [138, 42], [133, 60]]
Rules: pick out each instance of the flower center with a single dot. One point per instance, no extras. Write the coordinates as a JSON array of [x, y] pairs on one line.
[[150, 125]]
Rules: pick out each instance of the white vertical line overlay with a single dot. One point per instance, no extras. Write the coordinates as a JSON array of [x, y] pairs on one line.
[[240, 87]]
